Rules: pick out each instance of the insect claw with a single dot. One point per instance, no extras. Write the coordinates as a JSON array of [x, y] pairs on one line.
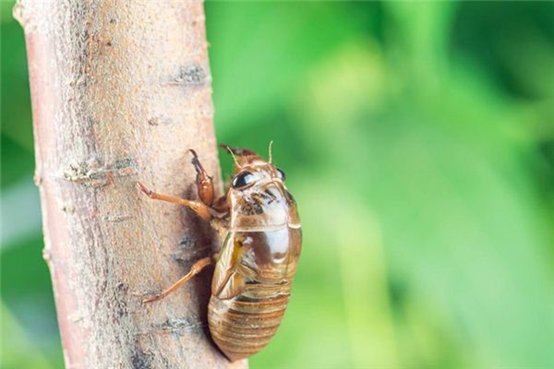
[[204, 182], [195, 156], [144, 190], [151, 299], [199, 168]]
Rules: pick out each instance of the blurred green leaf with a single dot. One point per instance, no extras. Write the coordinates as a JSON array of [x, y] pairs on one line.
[[260, 54], [17, 350]]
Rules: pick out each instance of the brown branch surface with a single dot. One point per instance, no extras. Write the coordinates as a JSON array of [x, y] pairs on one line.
[[120, 91]]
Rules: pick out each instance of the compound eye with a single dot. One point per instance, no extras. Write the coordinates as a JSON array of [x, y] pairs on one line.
[[281, 174], [242, 179]]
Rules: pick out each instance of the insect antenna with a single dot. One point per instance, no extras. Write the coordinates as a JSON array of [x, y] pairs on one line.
[[270, 151], [228, 148]]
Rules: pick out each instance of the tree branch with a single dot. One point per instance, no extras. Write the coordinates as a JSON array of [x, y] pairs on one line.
[[120, 91]]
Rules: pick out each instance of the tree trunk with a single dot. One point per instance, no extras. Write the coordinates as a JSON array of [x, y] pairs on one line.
[[120, 92]]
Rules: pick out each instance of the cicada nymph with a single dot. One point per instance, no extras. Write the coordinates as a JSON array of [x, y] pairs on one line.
[[257, 261]]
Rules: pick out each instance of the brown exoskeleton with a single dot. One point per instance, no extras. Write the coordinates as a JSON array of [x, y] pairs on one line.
[[254, 269]]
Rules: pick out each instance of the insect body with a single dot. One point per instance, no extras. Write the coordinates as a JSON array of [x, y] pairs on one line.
[[254, 269]]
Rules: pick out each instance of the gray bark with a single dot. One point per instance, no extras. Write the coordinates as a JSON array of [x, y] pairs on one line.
[[120, 92]]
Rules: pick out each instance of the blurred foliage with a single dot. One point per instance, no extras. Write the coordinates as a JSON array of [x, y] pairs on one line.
[[418, 139]]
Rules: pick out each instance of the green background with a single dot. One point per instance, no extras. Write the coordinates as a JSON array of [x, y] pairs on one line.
[[418, 140]]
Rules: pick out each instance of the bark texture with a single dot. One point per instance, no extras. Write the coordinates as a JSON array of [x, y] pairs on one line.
[[120, 92]]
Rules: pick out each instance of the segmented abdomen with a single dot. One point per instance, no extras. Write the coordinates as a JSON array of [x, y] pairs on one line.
[[244, 325]]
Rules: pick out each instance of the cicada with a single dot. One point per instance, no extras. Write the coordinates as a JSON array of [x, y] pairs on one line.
[[261, 239]]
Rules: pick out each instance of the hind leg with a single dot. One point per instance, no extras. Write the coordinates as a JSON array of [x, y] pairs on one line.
[[196, 268]]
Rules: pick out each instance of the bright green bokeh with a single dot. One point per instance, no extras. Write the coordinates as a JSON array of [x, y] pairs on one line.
[[418, 140]]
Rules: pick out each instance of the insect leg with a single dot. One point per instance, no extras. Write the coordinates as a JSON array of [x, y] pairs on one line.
[[196, 268], [204, 183], [202, 210], [221, 206]]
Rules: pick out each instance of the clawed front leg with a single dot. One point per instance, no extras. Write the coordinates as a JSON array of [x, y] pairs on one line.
[[204, 183], [205, 188]]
